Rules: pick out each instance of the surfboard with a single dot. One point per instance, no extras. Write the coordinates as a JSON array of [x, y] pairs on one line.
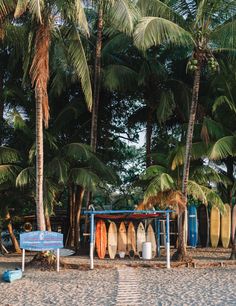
[[151, 238], [192, 226], [131, 240], [101, 239], [203, 225], [233, 222], [141, 238], [226, 226], [215, 226], [112, 240], [122, 238]]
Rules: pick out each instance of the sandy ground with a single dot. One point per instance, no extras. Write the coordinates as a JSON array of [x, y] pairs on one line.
[[116, 283]]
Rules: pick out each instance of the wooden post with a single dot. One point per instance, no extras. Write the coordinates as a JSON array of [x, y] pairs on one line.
[[23, 260]]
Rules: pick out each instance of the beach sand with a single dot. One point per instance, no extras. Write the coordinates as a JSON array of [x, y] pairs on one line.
[[116, 283]]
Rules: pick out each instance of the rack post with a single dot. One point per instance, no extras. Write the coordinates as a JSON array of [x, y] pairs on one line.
[[168, 240], [91, 240]]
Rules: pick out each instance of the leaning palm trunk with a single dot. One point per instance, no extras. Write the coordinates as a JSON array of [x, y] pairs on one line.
[[196, 86], [11, 233], [79, 202], [39, 74]]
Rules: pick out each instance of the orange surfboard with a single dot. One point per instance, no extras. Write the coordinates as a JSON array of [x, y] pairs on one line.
[[101, 239]]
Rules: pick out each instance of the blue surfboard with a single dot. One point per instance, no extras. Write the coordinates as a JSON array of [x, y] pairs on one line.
[[192, 226]]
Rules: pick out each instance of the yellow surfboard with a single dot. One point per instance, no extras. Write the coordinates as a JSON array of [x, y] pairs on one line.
[[215, 226], [226, 226]]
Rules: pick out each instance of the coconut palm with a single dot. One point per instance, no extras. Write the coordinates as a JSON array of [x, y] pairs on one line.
[[44, 25], [203, 24]]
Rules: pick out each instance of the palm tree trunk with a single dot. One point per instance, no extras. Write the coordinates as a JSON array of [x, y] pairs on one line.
[[233, 252], [182, 217], [39, 73], [11, 233], [97, 78], [148, 136], [39, 167], [79, 202], [96, 93], [47, 220]]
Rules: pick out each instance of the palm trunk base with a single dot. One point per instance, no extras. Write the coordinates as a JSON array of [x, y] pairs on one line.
[[45, 261], [181, 256]]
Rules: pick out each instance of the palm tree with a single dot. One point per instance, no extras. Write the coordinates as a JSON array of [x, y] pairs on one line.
[[203, 23], [44, 20]]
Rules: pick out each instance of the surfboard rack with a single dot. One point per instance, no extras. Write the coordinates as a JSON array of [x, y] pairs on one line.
[[128, 214]]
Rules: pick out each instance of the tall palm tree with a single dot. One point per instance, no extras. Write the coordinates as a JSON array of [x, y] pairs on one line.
[[202, 23], [45, 16]]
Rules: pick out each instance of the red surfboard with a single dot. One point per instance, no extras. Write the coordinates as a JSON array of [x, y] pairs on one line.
[[101, 239]]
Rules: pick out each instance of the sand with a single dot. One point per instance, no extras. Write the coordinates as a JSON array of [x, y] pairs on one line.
[[116, 283]]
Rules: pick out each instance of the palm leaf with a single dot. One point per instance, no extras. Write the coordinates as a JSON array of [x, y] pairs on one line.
[[223, 148], [196, 191], [122, 15], [223, 100], [120, 77], [85, 178], [77, 151], [8, 173], [153, 31], [26, 177], [9, 155], [152, 172], [166, 106], [57, 168], [161, 183], [79, 62]]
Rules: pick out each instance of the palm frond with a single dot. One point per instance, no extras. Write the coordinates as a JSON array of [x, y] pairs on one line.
[[8, 173], [79, 62], [26, 177], [152, 172], [166, 106], [205, 175], [223, 148], [196, 191], [9, 156], [122, 15], [85, 178], [36, 7], [199, 150], [21, 7], [154, 31], [157, 8], [211, 130], [120, 77], [221, 101], [224, 35], [77, 151], [57, 168], [161, 183]]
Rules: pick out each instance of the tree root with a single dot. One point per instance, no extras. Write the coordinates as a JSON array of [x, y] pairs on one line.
[[45, 261], [177, 256]]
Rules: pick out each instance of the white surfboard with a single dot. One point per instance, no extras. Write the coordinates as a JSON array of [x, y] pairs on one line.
[[151, 238], [141, 238], [112, 240]]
